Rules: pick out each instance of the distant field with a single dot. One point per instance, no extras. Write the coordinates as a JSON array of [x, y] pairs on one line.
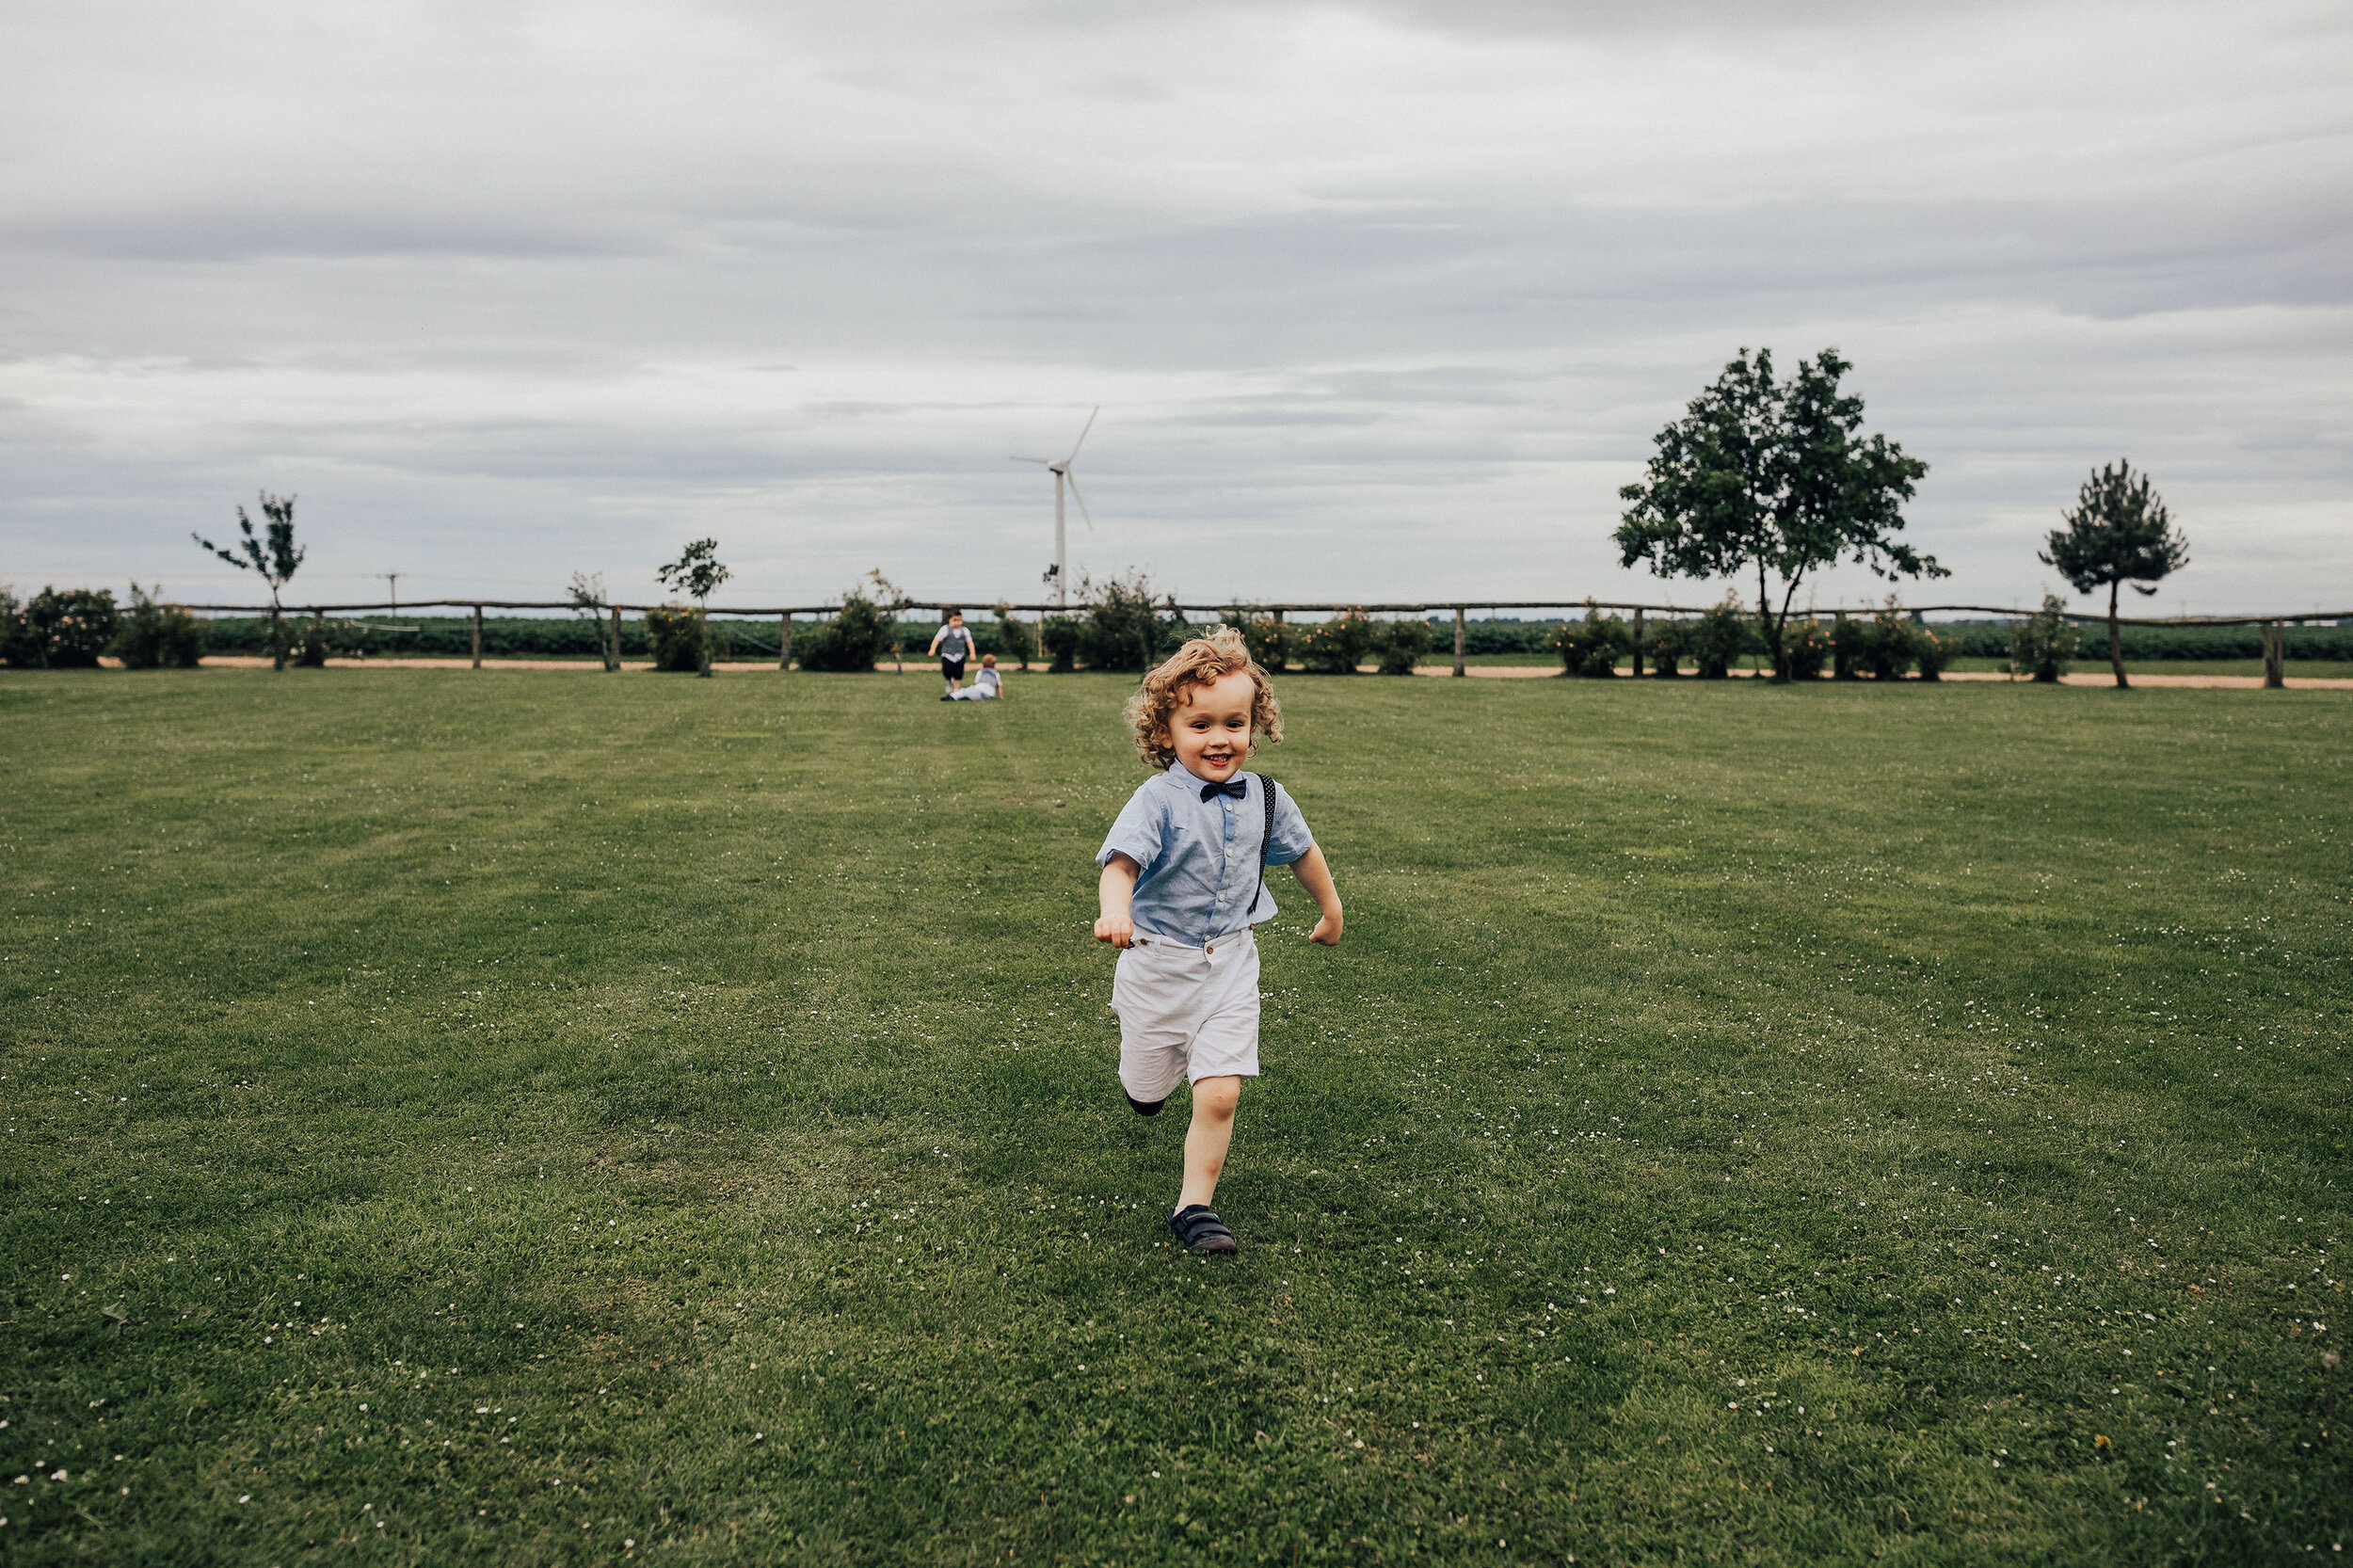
[[546, 1119]]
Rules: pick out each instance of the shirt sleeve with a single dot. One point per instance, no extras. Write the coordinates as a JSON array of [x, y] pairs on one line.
[[1291, 839], [1140, 832]]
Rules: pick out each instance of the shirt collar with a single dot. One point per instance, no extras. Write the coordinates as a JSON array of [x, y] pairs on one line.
[[1185, 780]]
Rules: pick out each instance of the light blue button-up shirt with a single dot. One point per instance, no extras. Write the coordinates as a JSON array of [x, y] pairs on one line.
[[1198, 860]]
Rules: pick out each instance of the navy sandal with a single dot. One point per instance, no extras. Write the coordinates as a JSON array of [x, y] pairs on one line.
[[1199, 1228]]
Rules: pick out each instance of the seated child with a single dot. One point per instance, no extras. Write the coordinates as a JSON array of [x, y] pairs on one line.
[[986, 685], [1184, 881]]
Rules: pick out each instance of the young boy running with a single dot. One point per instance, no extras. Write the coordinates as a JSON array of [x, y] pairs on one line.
[[954, 644], [1183, 883]]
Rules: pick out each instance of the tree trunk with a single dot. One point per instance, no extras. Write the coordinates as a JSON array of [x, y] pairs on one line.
[[784, 641], [613, 643], [703, 626], [2275, 657], [1637, 640], [477, 636], [2116, 643], [1766, 625], [1458, 639], [277, 636]]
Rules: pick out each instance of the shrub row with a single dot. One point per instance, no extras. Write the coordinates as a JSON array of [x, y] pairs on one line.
[[63, 630], [1714, 640], [1992, 640], [442, 636], [1094, 642], [70, 630]]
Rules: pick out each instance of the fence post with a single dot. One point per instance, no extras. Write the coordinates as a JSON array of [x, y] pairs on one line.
[[477, 636], [1458, 639], [2275, 657], [784, 642], [613, 659], [1638, 639]]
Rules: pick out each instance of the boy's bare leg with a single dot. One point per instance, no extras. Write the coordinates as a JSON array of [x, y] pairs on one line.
[[1213, 1128]]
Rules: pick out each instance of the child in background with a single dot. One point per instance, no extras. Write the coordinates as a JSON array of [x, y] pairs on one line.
[[954, 644], [987, 685], [1183, 883]]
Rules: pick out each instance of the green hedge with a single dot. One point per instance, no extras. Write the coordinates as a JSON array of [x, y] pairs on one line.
[[1991, 640], [552, 636], [502, 636]]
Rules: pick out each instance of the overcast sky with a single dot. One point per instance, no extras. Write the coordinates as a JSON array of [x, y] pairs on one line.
[[1380, 300]]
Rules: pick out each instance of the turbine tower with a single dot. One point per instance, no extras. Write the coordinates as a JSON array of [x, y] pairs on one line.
[[1063, 476]]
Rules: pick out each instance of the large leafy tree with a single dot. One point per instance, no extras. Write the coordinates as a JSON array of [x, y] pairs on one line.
[[2118, 535], [697, 574], [1772, 477], [271, 555]]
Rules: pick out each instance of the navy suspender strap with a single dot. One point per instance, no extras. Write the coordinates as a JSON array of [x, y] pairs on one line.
[[1266, 840]]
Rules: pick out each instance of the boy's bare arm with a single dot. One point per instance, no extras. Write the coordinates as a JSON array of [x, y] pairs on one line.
[[1315, 877], [1116, 892]]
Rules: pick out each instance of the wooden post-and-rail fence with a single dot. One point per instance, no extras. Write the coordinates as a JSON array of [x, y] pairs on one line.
[[2274, 626]]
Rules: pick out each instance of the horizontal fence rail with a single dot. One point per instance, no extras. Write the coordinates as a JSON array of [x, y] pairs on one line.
[[943, 605]]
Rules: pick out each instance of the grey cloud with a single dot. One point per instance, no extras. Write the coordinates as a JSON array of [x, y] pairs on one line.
[[816, 272]]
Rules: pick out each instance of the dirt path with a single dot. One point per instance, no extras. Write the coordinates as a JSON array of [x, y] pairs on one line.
[[1486, 672]]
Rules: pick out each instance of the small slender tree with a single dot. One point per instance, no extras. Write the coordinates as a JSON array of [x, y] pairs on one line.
[[1772, 476], [588, 598], [274, 562], [697, 574], [2118, 535]]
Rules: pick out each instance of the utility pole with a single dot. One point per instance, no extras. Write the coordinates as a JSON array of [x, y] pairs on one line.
[[394, 578]]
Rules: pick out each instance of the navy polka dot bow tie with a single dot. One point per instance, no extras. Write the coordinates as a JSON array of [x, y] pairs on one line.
[[1237, 786]]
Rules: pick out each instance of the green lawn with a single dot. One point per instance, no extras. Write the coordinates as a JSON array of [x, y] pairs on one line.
[[506, 1118]]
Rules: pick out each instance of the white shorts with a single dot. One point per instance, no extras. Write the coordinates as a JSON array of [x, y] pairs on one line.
[[1186, 1013]]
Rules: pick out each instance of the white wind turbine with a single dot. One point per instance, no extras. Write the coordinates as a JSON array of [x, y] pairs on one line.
[[1063, 476]]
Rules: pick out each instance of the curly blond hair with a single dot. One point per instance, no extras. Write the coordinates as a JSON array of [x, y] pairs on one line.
[[1203, 661]]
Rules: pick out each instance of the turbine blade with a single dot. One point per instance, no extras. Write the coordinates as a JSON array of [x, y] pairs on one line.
[[1073, 480], [1082, 434], [1019, 458]]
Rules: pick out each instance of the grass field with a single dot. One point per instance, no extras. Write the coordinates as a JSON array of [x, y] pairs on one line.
[[552, 1118]]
